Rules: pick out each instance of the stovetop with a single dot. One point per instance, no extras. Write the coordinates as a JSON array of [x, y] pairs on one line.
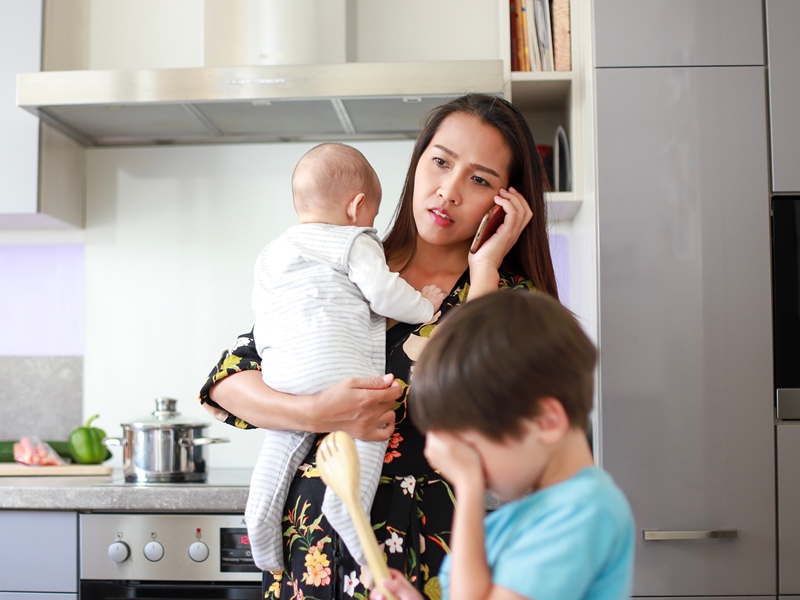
[[217, 478]]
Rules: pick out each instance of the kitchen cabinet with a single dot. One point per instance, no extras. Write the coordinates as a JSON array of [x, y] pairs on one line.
[[20, 41], [788, 444], [783, 48], [41, 170], [553, 99], [556, 99], [39, 555], [375, 33], [672, 33], [685, 378]]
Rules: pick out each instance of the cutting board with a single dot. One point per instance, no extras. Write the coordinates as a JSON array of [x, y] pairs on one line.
[[17, 470]]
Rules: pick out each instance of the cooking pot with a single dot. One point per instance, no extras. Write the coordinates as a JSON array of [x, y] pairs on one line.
[[163, 447]]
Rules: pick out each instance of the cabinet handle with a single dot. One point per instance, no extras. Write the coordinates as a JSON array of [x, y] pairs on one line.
[[712, 534]]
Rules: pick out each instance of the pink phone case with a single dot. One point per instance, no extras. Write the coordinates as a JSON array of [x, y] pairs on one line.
[[491, 221]]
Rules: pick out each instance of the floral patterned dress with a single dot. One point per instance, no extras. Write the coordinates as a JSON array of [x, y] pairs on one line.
[[413, 507]]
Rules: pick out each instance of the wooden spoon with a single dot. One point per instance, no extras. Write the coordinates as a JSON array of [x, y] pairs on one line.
[[337, 461]]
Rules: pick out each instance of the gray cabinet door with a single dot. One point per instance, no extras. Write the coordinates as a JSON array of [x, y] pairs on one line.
[[35, 596], [663, 33], [686, 418], [38, 551], [783, 51], [788, 442]]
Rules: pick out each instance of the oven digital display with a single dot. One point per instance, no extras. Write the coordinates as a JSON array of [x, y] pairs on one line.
[[235, 555]]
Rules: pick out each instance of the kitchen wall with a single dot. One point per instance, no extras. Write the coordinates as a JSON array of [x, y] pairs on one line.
[[171, 235], [42, 336], [141, 302]]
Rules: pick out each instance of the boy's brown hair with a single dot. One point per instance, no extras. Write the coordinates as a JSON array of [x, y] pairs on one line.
[[492, 360]]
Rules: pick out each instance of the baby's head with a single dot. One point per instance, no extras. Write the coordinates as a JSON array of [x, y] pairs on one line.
[[334, 183], [491, 363]]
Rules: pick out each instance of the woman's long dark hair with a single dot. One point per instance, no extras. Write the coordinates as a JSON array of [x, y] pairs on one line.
[[530, 255]]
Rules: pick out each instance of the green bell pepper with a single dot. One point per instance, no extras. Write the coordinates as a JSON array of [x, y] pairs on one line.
[[86, 444]]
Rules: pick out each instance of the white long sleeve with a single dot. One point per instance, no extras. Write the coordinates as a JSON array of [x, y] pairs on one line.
[[388, 294]]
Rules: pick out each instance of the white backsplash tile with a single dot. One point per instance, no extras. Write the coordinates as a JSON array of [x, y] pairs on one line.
[[40, 396]]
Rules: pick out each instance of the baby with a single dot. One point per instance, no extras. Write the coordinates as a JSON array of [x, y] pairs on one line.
[[322, 294]]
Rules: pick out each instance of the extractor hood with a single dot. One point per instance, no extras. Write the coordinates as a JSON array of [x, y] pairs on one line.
[[250, 103]]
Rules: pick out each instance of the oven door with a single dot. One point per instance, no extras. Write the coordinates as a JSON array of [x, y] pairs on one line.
[[786, 304], [143, 555], [108, 590]]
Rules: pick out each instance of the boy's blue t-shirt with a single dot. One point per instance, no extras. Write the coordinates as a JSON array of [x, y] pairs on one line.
[[570, 541]]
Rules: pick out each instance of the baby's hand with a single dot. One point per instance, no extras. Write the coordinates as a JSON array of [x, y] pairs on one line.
[[435, 295]]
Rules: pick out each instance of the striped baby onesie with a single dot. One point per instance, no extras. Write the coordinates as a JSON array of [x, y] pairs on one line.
[[321, 296]]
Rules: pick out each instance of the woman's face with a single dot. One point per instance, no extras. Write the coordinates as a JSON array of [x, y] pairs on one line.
[[459, 174]]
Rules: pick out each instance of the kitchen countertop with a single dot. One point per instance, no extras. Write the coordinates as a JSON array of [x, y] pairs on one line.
[[224, 492]]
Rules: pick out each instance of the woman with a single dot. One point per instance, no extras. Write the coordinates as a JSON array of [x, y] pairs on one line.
[[474, 152]]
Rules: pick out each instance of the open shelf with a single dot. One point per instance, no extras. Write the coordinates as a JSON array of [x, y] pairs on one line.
[[562, 206], [541, 90]]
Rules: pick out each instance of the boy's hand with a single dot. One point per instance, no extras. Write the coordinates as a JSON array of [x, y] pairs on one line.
[[399, 586], [435, 295], [458, 461]]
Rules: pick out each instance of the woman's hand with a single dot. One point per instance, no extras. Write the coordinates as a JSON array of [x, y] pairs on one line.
[[362, 407], [484, 264], [455, 459], [399, 586]]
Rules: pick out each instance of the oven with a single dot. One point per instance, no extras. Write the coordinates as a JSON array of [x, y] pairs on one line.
[[786, 304], [160, 556]]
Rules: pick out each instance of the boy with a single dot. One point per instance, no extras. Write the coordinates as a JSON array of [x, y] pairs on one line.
[[322, 290], [503, 392]]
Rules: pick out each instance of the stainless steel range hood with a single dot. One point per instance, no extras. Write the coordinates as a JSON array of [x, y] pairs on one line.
[[250, 103]]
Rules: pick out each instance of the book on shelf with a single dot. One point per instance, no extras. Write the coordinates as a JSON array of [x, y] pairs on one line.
[[540, 35], [522, 19], [562, 53], [533, 38], [512, 18], [520, 50], [545, 36]]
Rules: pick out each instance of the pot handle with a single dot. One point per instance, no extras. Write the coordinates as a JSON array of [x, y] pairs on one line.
[[112, 441], [201, 441]]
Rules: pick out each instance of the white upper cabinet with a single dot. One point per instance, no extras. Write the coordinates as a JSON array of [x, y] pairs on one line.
[[20, 50], [41, 170], [678, 33]]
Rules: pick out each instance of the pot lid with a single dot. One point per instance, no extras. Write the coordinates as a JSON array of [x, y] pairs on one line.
[[164, 417]]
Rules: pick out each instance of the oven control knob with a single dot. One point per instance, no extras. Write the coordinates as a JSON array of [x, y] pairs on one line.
[[153, 551], [198, 552], [119, 552]]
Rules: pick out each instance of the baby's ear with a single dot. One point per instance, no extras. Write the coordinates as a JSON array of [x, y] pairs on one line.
[[551, 420], [356, 204]]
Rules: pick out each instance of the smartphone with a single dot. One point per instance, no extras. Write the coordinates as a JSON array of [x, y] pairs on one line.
[[491, 221]]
